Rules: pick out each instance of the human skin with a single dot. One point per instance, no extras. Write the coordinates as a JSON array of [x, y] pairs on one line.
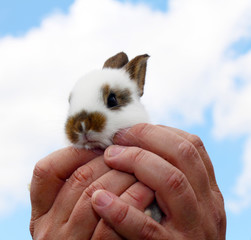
[[61, 190], [68, 185], [177, 167]]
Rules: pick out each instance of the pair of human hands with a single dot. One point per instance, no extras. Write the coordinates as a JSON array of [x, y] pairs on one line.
[[76, 194]]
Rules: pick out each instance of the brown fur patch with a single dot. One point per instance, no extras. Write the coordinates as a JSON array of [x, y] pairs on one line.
[[94, 121], [137, 71], [123, 96]]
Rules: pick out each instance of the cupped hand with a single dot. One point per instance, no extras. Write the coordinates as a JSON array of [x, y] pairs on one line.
[[177, 167], [61, 191]]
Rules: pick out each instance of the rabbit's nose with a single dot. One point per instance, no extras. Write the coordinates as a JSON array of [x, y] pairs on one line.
[[83, 126], [84, 137]]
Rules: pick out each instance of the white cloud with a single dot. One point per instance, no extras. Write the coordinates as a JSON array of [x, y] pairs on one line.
[[231, 113], [190, 69]]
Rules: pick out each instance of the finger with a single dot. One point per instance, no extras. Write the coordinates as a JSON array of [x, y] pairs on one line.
[[198, 144], [125, 219], [75, 186], [114, 181], [50, 174], [138, 196], [173, 191], [104, 231], [170, 146]]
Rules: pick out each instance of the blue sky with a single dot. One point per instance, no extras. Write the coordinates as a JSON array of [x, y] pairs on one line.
[[17, 17], [216, 95]]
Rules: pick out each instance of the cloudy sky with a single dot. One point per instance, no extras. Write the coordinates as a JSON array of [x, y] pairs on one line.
[[198, 79]]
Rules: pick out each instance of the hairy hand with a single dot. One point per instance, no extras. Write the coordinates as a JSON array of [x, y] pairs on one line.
[[61, 191], [177, 167]]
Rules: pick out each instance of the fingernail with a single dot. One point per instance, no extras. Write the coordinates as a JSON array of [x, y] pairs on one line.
[[120, 135], [101, 198]]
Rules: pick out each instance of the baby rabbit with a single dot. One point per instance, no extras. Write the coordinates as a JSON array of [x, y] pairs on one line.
[[104, 101]]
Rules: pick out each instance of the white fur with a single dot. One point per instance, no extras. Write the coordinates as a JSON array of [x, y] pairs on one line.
[[87, 95]]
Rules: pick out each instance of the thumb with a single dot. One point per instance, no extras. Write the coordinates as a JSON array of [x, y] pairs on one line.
[[126, 220]]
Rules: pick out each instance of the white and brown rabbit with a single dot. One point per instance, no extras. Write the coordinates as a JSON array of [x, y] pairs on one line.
[[104, 101]]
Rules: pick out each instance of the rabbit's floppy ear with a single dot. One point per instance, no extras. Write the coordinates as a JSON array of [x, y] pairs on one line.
[[117, 61], [137, 71]]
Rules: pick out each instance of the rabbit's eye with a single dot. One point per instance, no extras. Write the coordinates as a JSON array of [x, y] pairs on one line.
[[112, 100]]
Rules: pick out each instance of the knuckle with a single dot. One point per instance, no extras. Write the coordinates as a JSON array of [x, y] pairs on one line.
[[196, 141], [119, 216], [93, 187], [104, 231], [176, 181], [73, 150], [82, 176], [220, 220], [45, 234], [31, 227], [148, 229], [39, 172], [219, 224], [139, 155], [136, 197], [221, 198], [187, 150], [219, 215]]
